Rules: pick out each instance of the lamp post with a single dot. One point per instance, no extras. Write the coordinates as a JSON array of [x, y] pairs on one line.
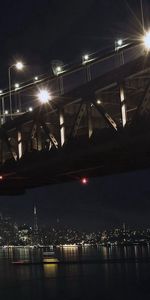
[[146, 40], [44, 96], [19, 66]]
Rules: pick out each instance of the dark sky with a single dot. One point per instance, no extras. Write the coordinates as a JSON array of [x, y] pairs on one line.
[[103, 203], [38, 32]]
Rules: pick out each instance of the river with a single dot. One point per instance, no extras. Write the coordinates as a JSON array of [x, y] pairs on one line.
[[106, 273]]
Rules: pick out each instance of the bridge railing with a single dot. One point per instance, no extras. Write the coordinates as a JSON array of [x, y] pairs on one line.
[[69, 80]]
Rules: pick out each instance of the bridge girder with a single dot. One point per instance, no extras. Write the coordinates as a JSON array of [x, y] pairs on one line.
[[80, 135]]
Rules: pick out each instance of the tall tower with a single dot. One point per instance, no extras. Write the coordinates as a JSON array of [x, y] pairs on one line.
[[35, 225], [124, 228], [35, 234]]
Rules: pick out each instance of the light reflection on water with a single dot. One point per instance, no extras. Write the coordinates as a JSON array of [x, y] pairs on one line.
[[50, 269], [76, 253], [75, 281]]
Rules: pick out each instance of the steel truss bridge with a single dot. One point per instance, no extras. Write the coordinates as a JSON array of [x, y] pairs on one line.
[[97, 123]]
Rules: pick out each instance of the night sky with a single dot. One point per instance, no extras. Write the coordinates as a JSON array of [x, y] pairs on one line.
[[38, 32]]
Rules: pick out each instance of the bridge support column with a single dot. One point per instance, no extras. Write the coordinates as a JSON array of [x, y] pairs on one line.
[[19, 144], [3, 112], [88, 73], [89, 116], [1, 152], [62, 127], [123, 106], [61, 84]]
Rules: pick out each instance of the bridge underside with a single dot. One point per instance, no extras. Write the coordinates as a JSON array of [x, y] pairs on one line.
[[100, 128]]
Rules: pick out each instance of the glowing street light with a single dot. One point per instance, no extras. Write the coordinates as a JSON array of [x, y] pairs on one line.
[[6, 112], [58, 70], [98, 101], [44, 96], [18, 66], [30, 109], [36, 78], [118, 44], [17, 86], [1, 92], [147, 40], [85, 58], [57, 67]]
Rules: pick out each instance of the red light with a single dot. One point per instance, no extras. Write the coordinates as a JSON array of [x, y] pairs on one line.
[[84, 180], [1, 177]]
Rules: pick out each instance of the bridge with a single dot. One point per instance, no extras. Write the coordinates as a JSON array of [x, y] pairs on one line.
[[96, 123]]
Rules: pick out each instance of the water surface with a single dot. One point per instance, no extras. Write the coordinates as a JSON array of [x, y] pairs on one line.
[[108, 280]]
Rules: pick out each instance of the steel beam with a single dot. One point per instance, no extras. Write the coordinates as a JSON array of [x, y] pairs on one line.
[[62, 127], [77, 121], [123, 106], [112, 124], [89, 116], [19, 139], [4, 137], [144, 107], [49, 135]]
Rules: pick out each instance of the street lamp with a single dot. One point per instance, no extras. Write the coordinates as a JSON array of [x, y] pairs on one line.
[[58, 70], [85, 58], [16, 86], [98, 101], [146, 40], [44, 96], [18, 66], [118, 44]]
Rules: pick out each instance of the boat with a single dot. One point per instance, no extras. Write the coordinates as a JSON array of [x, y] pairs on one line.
[[48, 251]]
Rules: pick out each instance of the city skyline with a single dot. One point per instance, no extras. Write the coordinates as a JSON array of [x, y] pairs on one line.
[[12, 234]]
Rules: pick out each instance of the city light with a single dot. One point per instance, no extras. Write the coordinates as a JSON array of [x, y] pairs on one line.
[[18, 110], [36, 78], [147, 40], [1, 177], [30, 109], [1, 91], [84, 181], [19, 65], [44, 96], [6, 112]]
